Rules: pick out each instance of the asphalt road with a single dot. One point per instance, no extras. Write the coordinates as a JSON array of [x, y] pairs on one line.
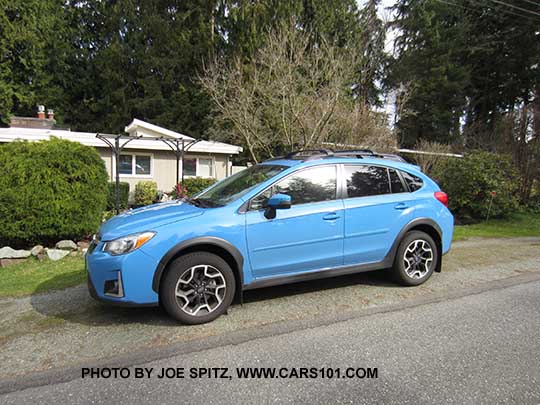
[[481, 348]]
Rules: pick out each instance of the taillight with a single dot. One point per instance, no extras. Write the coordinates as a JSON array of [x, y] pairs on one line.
[[442, 197]]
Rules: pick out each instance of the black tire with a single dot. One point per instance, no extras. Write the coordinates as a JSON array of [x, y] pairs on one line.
[[402, 274], [179, 268]]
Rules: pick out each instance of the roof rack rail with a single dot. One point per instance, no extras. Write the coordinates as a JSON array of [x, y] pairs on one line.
[[355, 152], [314, 154], [360, 153], [309, 154]]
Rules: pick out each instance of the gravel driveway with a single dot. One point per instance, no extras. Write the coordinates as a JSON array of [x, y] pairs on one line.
[[68, 328]]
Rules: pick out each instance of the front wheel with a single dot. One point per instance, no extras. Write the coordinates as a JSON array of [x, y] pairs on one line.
[[197, 288], [416, 258]]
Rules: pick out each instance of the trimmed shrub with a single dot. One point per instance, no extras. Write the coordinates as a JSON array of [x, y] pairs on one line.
[[533, 204], [124, 196], [475, 182], [50, 190], [193, 185], [145, 192]]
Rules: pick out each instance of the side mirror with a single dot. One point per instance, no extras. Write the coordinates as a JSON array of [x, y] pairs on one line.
[[277, 202]]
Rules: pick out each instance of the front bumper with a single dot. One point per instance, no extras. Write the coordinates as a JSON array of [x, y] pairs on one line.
[[115, 302], [122, 280]]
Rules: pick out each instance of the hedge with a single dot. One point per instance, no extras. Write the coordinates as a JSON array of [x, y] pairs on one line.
[[478, 183], [124, 196], [146, 192], [50, 190], [194, 185]]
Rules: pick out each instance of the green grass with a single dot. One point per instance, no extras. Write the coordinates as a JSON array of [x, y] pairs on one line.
[[33, 276], [522, 224]]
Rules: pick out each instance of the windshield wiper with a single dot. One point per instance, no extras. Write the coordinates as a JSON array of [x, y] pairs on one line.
[[191, 200], [207, 203], [201, 202]]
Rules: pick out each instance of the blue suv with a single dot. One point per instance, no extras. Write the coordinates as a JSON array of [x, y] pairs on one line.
[[310, 214]]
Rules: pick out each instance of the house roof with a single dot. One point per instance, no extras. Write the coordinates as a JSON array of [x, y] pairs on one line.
[[135, 128], [141, 128]]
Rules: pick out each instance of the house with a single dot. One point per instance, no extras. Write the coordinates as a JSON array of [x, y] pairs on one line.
[[146, 157]]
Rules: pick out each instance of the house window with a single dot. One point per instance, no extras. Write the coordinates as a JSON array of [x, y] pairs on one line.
[[190, 167], [135, 165], [203, 167]]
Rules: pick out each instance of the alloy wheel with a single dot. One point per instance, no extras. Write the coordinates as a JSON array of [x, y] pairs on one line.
[[200, 290], [418, 258]]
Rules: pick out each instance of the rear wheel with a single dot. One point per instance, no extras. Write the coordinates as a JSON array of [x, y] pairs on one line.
[[197, 288], [416, 258]]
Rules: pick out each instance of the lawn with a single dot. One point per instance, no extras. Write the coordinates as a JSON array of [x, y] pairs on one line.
[[522, 224], [33, 276]]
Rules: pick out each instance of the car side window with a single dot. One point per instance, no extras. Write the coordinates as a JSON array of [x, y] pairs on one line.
[[395, 182], [307, 186], [413, 182], [363, 181]]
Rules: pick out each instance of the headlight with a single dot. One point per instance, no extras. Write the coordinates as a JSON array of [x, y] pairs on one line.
[[128, 243]]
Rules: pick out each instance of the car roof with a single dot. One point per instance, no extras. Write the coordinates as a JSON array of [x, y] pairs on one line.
[[344, 160]]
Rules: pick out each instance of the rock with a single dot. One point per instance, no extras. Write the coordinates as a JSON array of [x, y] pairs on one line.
[[10, 262], [83, 244], [9, 253], [74, 253], [42, 256], [57, 254], [66, 245], [37, 250], [83, 251]]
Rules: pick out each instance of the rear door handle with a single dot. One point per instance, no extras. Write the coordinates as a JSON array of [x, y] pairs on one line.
[[401, 206], [332, 216]]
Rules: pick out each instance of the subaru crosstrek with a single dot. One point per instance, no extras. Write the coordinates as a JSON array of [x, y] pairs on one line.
[[310, 214]]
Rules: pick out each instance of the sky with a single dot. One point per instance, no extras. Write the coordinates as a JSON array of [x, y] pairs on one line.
[[384, 14]]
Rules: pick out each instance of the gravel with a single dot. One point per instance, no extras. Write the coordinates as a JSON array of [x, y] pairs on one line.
[[66, 328]]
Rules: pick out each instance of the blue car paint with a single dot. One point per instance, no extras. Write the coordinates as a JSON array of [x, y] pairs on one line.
[[282, 246], [279, 199], [304, 238]]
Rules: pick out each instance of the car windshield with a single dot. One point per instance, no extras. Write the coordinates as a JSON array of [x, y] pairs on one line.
[[237, 185]]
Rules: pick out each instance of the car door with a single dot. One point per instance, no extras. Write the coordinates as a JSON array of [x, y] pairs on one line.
[[306, 237], [377, 206]]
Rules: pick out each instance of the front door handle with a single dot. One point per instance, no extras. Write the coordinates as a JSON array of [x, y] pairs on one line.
[[401, 206], [332, 216]]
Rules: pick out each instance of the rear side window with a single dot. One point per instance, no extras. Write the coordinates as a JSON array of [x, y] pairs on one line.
[[413, 182], [395, 182], [363, 181]]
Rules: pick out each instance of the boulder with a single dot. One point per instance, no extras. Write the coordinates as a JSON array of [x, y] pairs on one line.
[[10, 262], [57, 254], [37, 250], [9, 253], [83, 244], [66, 245]]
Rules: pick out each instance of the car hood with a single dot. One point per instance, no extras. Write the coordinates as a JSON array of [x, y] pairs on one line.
[[147, 218]]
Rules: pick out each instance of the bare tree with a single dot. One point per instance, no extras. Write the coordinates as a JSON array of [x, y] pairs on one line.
[[431, 154], [291, 95]]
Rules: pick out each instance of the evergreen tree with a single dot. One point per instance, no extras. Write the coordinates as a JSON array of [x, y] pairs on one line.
[[31, 33], [430, 50], [140, 59], [373, 56]]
